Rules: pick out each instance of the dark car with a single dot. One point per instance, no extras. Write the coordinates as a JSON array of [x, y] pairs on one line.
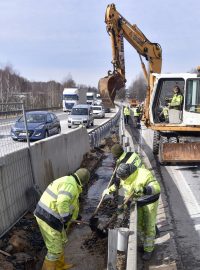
[[41, 124]]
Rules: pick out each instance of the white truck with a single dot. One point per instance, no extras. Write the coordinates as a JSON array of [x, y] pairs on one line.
[[98, 100], [90, 98], [73, 96]]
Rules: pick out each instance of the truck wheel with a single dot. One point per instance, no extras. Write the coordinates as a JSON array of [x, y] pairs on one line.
[[156, 138]]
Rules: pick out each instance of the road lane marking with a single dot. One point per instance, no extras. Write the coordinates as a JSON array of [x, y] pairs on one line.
[[188, 197]]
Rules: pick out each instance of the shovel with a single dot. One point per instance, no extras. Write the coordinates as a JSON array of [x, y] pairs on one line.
[[102, 197], [93, 224]]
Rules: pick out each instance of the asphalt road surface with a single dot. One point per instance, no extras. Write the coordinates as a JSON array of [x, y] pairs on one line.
[[182, 187]]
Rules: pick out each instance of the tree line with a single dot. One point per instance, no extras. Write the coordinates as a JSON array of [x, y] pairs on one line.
[[35, 94]]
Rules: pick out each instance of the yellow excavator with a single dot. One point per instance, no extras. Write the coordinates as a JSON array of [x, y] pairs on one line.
[[177, 137]]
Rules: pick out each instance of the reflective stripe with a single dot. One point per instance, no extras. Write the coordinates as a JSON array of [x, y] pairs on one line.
[[150, 238], [71, 207], [66, 193], [52, 257], [49, 210], [65, 215], [149, 245], [51, 193]]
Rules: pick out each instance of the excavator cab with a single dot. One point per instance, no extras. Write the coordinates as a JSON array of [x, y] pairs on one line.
[[108, 87]]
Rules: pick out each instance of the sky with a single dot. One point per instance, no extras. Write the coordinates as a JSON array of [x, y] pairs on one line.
[[52, 39]]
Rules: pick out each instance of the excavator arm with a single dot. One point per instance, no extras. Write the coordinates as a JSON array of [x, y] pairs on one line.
[[119, 28]]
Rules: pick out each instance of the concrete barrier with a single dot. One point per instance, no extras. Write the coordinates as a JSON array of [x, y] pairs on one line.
[[59, 155], [50, 158]]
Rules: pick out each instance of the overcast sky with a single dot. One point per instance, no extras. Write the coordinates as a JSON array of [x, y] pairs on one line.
[[49, 39]]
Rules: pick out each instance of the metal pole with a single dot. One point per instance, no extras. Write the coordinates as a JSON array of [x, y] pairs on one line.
[[26, 127], [37, 192]]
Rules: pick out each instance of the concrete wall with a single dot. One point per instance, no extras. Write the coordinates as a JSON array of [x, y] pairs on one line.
[[51, 158], [58, 156], [15, 187]]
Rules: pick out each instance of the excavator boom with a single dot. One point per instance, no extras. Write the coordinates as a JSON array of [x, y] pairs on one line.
[[119, 28]]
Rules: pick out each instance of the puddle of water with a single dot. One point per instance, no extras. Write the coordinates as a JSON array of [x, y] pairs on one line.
[[103, 173]]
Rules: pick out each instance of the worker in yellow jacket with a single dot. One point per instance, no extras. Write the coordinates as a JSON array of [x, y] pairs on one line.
[[125, 157], [127, 114], [142, 184], [58, 206]]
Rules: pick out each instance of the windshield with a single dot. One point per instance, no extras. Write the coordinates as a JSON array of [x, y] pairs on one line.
[[90, 97], [34, 118], [97, 108], [192, 103], [79, 111], [70, 97]]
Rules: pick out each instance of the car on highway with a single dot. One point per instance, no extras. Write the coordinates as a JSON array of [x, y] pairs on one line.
[[98, 111], [40, 125], [81, 115]]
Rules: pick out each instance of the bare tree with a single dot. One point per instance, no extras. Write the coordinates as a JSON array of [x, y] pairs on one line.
[[138, 88], [68, 82]]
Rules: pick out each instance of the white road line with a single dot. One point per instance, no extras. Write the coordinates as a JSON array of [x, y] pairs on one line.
[[187, 196]]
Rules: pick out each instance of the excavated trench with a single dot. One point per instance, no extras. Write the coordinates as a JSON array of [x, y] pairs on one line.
[[22, 248]]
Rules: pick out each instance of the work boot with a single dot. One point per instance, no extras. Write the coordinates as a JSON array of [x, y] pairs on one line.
[[61, 265], [49, 265], [147, 255]]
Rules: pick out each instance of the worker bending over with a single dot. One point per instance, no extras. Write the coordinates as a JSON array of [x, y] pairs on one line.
[[125, 157], [59, 205], [142, 184]]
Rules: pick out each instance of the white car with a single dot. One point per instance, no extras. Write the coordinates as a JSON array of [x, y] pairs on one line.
[[98, 111]]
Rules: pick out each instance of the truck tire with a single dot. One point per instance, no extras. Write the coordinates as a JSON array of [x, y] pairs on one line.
[[156, 139]]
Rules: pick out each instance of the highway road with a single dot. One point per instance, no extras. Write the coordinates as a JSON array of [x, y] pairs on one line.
[[7, 145], [182, 187]]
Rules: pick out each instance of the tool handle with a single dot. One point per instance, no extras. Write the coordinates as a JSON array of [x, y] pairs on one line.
[[102, 197], [80, 222]]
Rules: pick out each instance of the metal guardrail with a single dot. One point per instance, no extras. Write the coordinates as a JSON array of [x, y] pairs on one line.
[[99, 133], [131, 235]]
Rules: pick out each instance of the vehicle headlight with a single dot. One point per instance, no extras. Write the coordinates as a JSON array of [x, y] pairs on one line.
[[40, 127]]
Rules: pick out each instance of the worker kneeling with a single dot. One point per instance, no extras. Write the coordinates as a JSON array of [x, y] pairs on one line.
[[58, 206], [146, 190]]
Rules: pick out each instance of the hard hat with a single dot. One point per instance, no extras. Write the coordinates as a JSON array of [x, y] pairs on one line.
[[84, 175], [117, 150], [125, 170]]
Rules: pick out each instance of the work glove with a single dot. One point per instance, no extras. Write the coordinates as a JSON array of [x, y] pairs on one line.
[[106, 192]]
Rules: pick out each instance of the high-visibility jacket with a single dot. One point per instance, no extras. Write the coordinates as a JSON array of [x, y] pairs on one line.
[[136, 112], [176, 101], [139, 180], [59, 202], [130, 157], [127, 111]]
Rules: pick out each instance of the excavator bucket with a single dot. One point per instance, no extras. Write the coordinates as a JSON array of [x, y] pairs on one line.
[[180, 152], [108, 86]]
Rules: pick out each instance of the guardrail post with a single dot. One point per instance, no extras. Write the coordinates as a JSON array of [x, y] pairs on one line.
[[131, 263]]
